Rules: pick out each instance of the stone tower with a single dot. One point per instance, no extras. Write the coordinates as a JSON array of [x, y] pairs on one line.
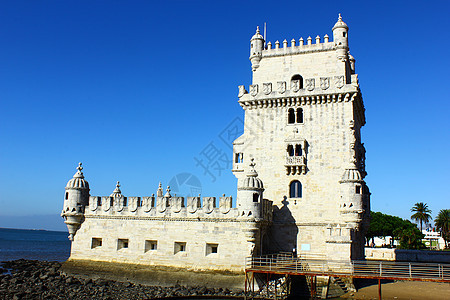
[[75, 200], [303, 115]]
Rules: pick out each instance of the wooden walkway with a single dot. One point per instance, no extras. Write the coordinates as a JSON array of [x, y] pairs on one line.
[[287, 264]]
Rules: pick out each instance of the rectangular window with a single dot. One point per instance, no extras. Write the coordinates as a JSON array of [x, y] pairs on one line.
[[122, 244], [96, 242], [179, 247], [358, 189], [212, 248], [151, 245]]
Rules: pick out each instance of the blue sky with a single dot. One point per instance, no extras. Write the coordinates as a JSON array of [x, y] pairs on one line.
[[136, 90]]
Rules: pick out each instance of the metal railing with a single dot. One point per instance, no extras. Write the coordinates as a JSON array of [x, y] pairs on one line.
[[285, 263]]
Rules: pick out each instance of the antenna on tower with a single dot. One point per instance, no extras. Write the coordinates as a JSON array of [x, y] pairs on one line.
[[265, 30]]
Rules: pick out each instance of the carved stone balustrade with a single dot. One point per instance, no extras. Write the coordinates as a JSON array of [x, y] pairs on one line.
[[295, 165]]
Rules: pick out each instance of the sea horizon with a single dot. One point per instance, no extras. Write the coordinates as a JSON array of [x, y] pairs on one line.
[[34, 244]]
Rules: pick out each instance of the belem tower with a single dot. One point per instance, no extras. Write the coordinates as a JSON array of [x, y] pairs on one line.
[[300, 165]]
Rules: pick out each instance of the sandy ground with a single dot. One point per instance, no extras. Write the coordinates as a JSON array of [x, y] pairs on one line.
[[404, 290]]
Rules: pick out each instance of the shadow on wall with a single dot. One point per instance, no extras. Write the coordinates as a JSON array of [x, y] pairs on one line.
[[282, 235]]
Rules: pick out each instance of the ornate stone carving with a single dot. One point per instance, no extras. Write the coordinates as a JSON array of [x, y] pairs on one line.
[[295, 85], [118, 202], [254, 90], [267, 88], [281, 87], [176, 203], [310, 84], [161, 204], [106, 203], [148, 203], [93, 203], [225, 204], [339, 81], [208, 204], [324, 83], [133, 203], [193, 203], [242, 91]]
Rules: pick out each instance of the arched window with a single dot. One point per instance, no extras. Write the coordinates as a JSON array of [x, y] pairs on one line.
[[295, 189], [298, 150], [299, 115], [291, 116], [290, 150], [299, 78], [255, 197]]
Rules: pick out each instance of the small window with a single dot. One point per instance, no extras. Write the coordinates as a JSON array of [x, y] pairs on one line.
[[358, 189], [99, 201], [238, 158], [295, 189], [295, 116], [290, 150], [125, 201], [212, 249], [179, 247], [67, 195], [255, 197], [151, 245], [96, 242], [298, 150], [299, 115], [291, 116], [343, 34], [122, 244]]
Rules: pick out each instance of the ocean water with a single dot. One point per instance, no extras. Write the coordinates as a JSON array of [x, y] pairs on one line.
[[33, 244]]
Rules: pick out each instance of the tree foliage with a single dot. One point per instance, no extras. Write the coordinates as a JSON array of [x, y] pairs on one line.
[[442, 223], [382, 225], [421, 213]]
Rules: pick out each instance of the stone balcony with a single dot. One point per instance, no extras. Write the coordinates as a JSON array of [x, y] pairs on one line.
[[295, 165]]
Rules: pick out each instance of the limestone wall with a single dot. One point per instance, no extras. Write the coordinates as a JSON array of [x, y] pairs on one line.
[[425, 256], [174, 242]]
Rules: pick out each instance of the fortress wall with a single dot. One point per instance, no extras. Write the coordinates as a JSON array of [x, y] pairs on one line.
[[198, 238]]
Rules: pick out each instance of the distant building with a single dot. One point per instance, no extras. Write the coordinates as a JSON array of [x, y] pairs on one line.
[[301, 147]]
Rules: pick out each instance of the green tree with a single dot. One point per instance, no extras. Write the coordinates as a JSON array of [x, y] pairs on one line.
[[407, 233], [442, 223], [421, 213], [410, 238]]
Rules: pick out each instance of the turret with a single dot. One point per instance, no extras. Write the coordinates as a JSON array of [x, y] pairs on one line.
[[250, 194], [75, 200], [340, 36], [355, 195], [256, 48]]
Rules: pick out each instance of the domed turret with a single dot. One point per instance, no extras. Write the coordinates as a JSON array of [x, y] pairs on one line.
[[340, 36], [117, 190], [75, 200], [250, 193], [256, 48]]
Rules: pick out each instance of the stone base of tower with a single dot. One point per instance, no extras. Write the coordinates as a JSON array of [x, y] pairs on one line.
[[153, 275], [314, 241]]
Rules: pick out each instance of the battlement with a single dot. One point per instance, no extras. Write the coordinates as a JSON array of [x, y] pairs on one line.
[[299, 47], [169, 207], [162, 207]]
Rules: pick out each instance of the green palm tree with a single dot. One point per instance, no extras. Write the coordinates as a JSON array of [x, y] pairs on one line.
[[442, 223], [421, 213]]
